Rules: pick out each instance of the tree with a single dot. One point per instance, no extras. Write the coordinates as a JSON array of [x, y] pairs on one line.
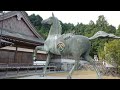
[[111, 29], [44, 30], [102, 24], [118, 31], [112, 52], [41, 29], [90, 29], [36, 20], [67, 27], [101, 21], [80, 29]]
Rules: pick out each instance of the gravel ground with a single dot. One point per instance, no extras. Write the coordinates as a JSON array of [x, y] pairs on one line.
[[76, 75]]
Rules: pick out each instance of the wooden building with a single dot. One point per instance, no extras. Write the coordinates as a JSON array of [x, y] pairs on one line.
[[16, 28]]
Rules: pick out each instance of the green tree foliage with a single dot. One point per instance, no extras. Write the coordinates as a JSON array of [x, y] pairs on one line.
[[44, 30], [80, 29], [36, 20], [118, 31], [111, 29], [67, 27], [102, 24], [41, 29], [90, 29], [112, 52]]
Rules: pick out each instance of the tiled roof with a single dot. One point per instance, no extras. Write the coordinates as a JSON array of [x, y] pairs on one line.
[[4, 43], [38, 38], [20, 36]]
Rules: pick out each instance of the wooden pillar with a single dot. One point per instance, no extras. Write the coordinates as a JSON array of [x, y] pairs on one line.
[[15, 56], [8, 60], [32, 57]]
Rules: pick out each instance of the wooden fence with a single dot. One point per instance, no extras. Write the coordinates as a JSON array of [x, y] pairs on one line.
[[9, 56], [14, 70]]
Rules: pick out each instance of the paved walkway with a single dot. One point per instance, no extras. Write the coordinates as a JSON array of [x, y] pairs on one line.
[[39, 77], [57, 77]]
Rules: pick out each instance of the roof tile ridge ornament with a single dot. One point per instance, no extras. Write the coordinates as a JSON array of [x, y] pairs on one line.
[[19, 16]]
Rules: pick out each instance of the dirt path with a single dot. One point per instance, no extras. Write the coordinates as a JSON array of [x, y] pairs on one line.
[[83, 75]]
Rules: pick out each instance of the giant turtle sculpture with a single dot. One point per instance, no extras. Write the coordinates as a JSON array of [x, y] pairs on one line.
[[64, 44]]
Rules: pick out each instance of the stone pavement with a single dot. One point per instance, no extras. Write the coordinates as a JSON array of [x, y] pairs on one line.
[[39, 77], [56, 77]]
